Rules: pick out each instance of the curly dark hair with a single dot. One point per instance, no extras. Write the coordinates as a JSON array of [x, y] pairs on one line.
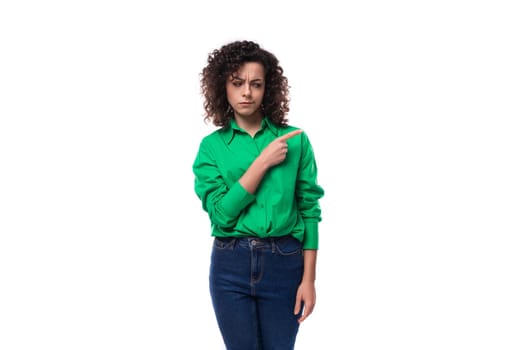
[[223, 62]]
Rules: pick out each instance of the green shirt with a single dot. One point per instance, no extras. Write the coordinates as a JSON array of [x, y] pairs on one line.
[[287, 199]]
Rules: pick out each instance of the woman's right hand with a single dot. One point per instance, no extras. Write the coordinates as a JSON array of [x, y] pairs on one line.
[[275, 152]]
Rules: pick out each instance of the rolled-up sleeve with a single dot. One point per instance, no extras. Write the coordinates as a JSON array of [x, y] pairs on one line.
[[308, 193], [222, 203]]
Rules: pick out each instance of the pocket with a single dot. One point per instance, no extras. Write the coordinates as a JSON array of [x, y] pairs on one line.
[[223, 242], [288, 245]]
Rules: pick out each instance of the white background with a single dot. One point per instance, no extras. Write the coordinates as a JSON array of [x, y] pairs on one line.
[[415, 110]]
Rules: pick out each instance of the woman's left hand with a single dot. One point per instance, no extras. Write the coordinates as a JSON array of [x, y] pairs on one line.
[[306, 298]]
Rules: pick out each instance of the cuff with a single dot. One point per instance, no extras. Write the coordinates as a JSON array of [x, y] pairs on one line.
[[236, 200], [311, 235]]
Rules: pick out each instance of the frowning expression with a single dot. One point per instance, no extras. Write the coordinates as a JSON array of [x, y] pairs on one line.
[[245, 90]]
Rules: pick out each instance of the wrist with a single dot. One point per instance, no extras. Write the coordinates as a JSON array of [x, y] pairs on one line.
[[261, 163], [308, 279]]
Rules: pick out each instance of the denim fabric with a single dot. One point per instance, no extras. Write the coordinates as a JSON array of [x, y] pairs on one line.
[[253, 285]]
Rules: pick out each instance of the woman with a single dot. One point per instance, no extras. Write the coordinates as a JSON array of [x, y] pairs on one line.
[[257, 179]]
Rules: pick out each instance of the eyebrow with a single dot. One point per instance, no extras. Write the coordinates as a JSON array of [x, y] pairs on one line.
[[234, 77]]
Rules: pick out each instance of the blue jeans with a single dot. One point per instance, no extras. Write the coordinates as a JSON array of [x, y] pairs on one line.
[[253, 285]]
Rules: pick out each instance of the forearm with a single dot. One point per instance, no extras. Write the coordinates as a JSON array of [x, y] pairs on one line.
[[310, 263], [251, 179]]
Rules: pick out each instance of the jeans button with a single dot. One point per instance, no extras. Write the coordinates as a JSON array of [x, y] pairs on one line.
[[253, 243]]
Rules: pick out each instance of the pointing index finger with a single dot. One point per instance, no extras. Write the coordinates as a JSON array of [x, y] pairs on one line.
[[291, 134]]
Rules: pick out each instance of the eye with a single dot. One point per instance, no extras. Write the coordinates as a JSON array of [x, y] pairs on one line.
[[237, 83], [257, 85]]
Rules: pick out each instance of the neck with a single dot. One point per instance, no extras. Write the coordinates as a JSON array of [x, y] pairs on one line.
[[250, 124]]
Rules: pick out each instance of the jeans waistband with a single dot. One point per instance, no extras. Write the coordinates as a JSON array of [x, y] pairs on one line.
[[255, 242]]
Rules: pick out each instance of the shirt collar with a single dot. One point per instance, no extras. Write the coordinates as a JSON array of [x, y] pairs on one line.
[[232, 128]]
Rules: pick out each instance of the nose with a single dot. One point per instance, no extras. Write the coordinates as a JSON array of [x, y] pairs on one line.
[[247, 91]]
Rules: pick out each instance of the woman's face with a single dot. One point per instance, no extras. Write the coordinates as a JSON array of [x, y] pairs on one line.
[[245, 90]]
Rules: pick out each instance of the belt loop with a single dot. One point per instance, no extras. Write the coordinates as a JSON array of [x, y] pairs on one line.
[[273, 245]]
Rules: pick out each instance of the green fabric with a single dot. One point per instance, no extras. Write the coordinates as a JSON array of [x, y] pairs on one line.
[[287, 199]]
